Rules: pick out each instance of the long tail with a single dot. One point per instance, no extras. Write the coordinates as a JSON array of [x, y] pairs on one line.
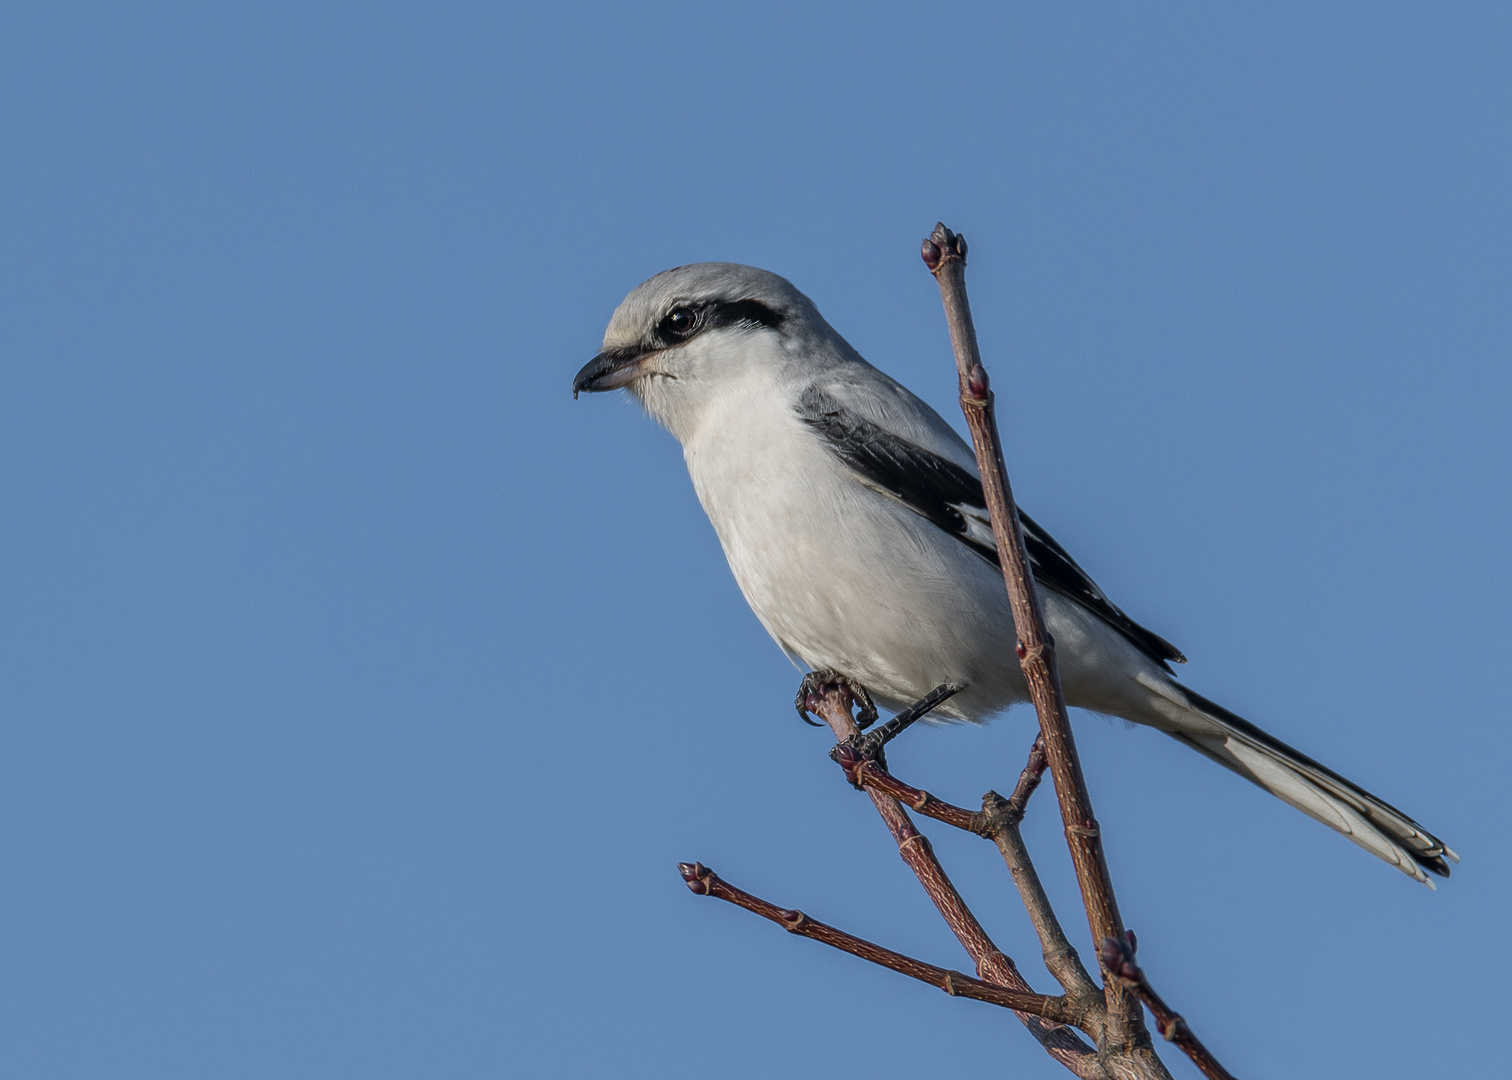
[[1316, 790]]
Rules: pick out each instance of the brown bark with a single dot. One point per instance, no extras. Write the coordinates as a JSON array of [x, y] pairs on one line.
[[945, 255], [833, 706], [1060, 1010]]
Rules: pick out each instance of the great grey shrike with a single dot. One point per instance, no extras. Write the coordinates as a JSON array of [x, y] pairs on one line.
[[853, 519]]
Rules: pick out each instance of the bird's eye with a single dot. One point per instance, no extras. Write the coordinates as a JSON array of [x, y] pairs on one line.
[[679, 322]]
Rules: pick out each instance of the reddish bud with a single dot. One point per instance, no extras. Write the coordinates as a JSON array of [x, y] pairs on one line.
[[976, 381], [693, 874], [850, 761], [1021, 650], [932, 255], [1118, 959]]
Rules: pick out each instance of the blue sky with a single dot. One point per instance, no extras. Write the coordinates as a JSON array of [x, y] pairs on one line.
[[360, 690]]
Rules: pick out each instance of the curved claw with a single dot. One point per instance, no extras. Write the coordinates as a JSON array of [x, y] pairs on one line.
[[813, 685], [801, 704]]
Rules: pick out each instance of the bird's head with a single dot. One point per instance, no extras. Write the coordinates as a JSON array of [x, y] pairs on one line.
[[681, 338]]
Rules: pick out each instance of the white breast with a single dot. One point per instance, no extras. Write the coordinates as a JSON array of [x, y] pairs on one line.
[[841, 575]]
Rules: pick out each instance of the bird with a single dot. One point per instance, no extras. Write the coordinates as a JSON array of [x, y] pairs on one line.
[[853, 519]]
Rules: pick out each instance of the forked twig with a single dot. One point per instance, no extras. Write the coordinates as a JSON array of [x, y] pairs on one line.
[[832, 704], [1000, 824], [998, 821]]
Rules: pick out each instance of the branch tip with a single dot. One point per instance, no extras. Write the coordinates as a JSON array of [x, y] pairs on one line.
[[942, 247], [697, 876]]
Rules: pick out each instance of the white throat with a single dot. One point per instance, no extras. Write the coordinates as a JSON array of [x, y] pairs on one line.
[[709, 381]]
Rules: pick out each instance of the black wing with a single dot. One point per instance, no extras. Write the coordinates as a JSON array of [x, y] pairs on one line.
[[947, 495]]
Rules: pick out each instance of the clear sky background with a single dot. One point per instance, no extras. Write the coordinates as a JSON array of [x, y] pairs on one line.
[[360, 689]]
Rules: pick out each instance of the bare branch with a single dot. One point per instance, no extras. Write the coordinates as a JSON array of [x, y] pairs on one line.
[[1118, 959], [1000, 824], [945, 255], [832, 704], [866, 773], [998, 821], [1029, 779], [704, 882]]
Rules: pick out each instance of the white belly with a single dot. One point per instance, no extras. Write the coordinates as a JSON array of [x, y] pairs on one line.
[[845, 577]]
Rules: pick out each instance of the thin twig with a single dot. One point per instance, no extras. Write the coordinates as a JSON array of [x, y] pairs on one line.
[[998, 821], [1029, 779], [945, 255], [1118, 958], [832, 704], [1000, 824], [867, 773], [704, 882]]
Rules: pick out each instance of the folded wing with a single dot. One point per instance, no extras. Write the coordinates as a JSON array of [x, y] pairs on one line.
[[950, 496]]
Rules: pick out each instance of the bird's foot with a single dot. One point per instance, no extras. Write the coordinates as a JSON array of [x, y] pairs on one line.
[[859, 749], [873, 742], [816, 683]]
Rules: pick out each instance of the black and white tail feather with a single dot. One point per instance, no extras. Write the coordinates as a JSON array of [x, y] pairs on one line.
[[1314, 789]]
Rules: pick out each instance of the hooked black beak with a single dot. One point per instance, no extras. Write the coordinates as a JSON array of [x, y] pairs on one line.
[[609, 370]]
